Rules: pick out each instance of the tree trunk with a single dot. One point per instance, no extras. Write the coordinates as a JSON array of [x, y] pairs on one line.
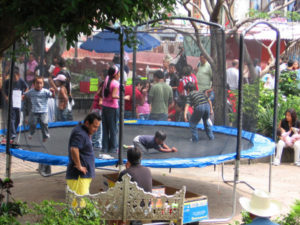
[[57, 49], [219, 84]]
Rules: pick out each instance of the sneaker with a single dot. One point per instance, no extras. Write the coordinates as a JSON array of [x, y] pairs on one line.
[[29, 136], [191, 140], [297, 163], [105, 156], [126, 147], [276, 162]]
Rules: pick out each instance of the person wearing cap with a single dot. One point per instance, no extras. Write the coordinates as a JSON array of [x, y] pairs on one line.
[[260, 207], [19, 87], [140, 174], [59, 86]]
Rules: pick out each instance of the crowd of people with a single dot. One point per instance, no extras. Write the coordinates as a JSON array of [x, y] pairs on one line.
[[170, 96], [40, 94]]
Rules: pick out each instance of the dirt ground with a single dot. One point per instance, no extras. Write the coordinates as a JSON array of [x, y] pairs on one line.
[[29, 186]]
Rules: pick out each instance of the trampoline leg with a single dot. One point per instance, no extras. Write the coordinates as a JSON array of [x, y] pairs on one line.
[[44, 169], [232, 181], [170, 170]]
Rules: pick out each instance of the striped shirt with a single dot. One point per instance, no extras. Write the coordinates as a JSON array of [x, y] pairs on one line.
[[196, 98], [39, 100]]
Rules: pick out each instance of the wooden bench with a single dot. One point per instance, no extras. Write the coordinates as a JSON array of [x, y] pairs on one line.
[[126, 201]]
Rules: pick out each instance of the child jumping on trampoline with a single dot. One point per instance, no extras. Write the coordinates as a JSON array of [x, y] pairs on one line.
[[146, 142], [39, 107], [202, 109]]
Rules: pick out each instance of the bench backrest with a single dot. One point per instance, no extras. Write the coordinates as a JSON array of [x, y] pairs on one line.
[[126, 201]]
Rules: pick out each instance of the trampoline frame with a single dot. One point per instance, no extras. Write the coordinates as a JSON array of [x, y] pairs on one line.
[[240, 101]]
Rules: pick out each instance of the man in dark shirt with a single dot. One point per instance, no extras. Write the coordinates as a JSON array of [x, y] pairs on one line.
[[81, 167], [140, 174], [19, 87], [202, 109]]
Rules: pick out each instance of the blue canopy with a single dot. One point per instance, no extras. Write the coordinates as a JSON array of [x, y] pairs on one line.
[[108, 42]]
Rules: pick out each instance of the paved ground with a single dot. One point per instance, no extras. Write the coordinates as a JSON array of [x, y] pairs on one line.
[[31, 187]]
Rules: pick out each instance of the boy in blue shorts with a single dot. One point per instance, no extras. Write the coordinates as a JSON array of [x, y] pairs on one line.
[[146, 142], [39, 107]]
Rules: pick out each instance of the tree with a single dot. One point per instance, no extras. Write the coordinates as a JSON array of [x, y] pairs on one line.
[[214, 13], [72, 17]]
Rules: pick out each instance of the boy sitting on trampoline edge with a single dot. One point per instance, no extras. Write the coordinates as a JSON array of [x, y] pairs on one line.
[[145, 142]]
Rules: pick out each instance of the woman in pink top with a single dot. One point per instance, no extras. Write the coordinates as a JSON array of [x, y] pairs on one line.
[[110, 110], [143, 111]]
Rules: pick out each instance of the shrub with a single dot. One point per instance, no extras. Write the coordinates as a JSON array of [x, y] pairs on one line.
[[288, 83]]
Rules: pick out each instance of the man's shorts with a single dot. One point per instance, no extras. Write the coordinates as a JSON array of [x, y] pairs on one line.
[[81, 186]]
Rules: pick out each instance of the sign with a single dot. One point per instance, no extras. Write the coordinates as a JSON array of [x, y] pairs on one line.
[[93, 84]]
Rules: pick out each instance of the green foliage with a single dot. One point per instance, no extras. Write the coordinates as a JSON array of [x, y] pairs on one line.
[[292, 16], [245, 219], [253, 13], [50, 212], [47, 212], [288, 88], [288, 83], [10, 210], [72, 17], [293, 217]]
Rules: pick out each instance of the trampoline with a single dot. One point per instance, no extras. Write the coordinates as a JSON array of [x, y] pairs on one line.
[[203, 153]]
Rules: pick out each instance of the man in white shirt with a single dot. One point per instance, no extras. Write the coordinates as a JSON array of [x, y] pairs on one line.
[[233, 75]]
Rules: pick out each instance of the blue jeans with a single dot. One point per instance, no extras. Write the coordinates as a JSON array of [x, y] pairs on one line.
[[110, 129], [201, 112], [144, 116], [15, 120], [128, 115], [158, 116], [97, 138], [62, 115], [42, 118]]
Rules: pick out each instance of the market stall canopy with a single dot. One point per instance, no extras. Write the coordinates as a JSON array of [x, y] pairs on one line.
[[288, 30], [108, 42]]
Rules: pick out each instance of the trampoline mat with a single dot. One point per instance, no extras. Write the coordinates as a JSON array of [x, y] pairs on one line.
[[178, 137]]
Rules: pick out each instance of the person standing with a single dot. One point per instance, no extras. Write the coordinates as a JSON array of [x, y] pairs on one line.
[[20, 63], [31, 65], [160, 97], [81, 166], [19, 87], [233, 75], [202, 109], [129, 98], [110, 110], [204, 77]]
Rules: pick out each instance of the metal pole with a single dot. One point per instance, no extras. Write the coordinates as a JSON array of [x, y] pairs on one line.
[[8, 154], [275, 115], [133, 77], [42, 72], [121, 116], [224, 77]]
